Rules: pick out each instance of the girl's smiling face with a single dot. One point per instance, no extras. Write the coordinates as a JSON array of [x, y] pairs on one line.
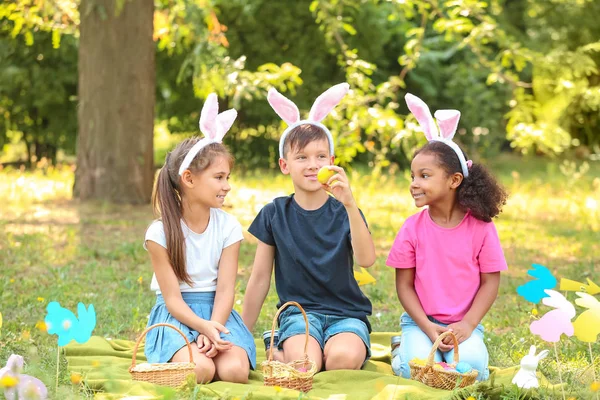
[[431, 183], [210, 186]]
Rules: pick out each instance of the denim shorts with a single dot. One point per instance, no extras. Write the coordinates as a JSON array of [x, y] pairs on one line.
[[162, 342], [321, 327]]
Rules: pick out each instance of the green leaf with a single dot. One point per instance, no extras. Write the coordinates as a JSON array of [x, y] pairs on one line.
[[17, 28], [491, 79], [28, 38], [349, 28], [55, 39]]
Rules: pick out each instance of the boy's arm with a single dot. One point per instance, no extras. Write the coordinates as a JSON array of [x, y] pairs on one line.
[[405, 287], [258, 284], [485, 297], [362, 242], [225, 293]]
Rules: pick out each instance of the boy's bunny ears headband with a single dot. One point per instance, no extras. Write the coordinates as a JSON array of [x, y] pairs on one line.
[[213, 125], [288, 111], [447, 121]]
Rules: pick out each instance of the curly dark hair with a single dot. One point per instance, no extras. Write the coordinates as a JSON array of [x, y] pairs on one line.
[[480, 192]]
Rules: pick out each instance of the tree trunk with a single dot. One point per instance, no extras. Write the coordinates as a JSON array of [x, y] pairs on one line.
[[116, 101]]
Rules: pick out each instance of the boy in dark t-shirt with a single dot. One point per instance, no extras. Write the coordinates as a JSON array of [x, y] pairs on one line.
[[312, 238]]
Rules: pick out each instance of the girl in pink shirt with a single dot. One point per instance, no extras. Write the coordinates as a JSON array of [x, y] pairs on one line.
[[448, 256]]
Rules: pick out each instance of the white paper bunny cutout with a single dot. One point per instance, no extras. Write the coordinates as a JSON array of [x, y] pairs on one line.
[[447, 120], [288, 111], [526, 377], [213, 125]]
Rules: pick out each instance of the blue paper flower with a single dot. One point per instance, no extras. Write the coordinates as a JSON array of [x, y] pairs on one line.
[[62, 322], [533, 291]]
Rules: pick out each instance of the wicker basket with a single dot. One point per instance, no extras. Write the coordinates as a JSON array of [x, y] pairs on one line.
[[167, 374], [441, 379], [297, 375]]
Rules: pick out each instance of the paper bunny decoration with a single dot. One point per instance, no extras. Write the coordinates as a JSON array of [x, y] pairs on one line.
[[556, 322], [26, 387], [526, 377], [534, 290], [288, 111], [447, 120], [62, 322], [587, 325], [213, 125], [574, 286]]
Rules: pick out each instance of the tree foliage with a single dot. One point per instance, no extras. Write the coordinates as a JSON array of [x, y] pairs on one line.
[[522, 72], [38, 89]]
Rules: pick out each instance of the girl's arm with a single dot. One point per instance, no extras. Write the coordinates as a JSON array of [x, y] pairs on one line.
[[258, 284], [169, 287], [405, 286], [225, 293], [485, 297]]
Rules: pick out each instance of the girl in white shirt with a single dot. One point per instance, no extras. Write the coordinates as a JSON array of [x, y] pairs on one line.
[[194, 248]]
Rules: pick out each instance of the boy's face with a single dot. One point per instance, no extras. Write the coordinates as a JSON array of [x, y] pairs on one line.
[[303, 164]]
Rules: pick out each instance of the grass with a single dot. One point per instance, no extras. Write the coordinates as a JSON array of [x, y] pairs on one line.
[[56, 248]]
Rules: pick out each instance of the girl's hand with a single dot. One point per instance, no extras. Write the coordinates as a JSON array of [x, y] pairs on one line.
[[339, 186], [212, 330], [205, 346], [462, 330], [203, 343], [434, 330]]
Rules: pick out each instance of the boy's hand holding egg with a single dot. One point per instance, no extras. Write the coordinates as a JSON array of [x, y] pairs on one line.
[[339, 186], [324, 174]]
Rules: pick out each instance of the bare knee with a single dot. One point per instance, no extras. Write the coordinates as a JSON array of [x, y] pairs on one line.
[[293, 350], [204, 370], [233, 369], [235, 374], [339, 358]]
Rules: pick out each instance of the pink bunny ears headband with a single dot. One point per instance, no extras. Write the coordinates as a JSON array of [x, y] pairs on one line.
[[213, 125], [288, 111], [447, 121]]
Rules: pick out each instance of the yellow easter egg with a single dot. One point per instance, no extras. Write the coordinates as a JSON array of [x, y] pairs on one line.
[[324, 174]]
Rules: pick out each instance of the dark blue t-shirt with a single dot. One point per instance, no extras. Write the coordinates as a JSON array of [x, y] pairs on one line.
[[313, 257]]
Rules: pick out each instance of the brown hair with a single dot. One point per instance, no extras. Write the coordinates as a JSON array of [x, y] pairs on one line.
[[166, 197], [479, 192], [299, 137]]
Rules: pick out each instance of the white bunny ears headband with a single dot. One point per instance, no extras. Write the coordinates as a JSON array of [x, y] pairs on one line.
[[288, 111], [447, 121], [213, 125]]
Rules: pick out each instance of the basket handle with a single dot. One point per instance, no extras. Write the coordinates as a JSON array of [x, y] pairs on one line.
[[289, 303], [436, 345], [137, 343]]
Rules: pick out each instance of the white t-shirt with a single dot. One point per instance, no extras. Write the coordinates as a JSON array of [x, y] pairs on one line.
[[203, 250]]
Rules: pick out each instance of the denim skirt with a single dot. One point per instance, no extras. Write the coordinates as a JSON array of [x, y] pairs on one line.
[[163, 342]]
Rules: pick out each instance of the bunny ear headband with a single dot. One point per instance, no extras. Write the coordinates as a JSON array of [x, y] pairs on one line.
[[288, 111], [213, 125], [447, 121]]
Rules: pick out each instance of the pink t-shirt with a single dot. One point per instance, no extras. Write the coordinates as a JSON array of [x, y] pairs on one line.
[[448, 262]]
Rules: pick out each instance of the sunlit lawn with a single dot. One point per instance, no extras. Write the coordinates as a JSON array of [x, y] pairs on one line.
[[54, 248]]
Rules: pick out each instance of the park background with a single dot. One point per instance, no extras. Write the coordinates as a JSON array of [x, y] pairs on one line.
[[93, 93]]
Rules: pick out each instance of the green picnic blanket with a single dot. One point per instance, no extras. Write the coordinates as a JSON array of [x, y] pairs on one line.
[[104, 365]]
